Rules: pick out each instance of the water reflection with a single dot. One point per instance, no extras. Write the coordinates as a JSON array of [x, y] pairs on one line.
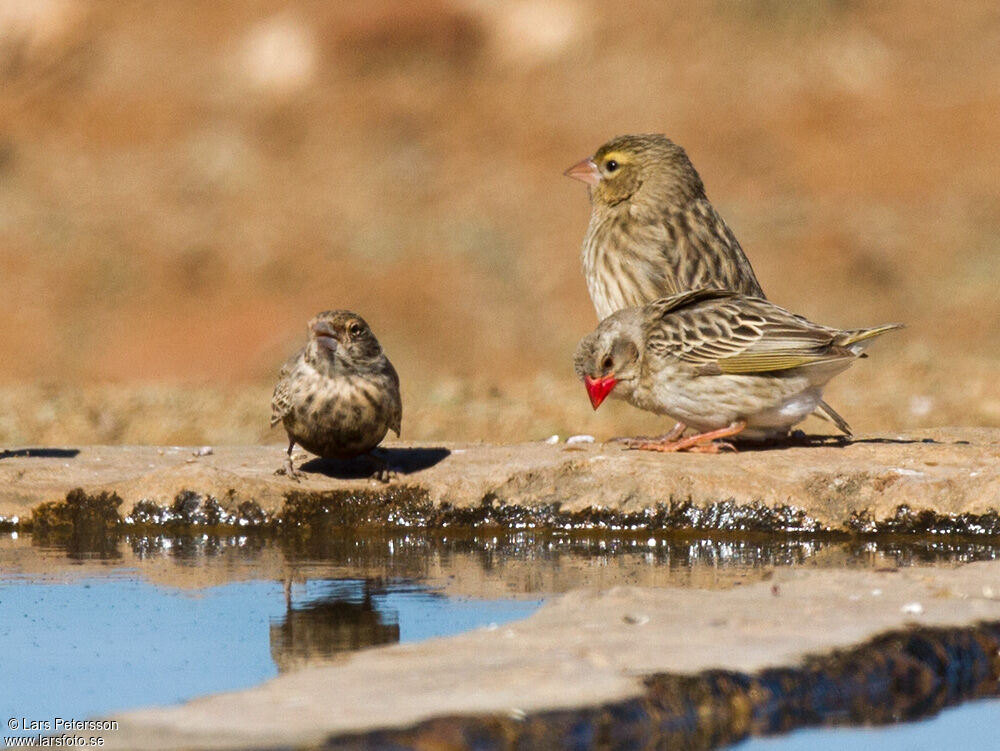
[[504, 564], [336, 616], [82, 636], [157, 604]]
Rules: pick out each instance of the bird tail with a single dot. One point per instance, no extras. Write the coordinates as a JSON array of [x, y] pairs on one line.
[[857, 339], [826, 412]]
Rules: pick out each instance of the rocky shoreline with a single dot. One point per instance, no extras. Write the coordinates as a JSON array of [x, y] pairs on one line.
[[945, 481], [616, 660]]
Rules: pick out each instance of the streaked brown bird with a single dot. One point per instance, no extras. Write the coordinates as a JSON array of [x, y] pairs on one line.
[[654, 233], [339, 395], [719, 362]]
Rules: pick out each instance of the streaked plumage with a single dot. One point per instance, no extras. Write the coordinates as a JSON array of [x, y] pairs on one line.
[[339, 395], [716, 360], [654, 233]]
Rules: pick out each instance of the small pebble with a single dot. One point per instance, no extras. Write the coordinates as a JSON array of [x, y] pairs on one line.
[[912, 608], [636, 620], [580, 439], [552, 439], [203, 451]]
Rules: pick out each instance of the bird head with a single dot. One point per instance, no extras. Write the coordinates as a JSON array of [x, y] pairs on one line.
[[341, 338], [608, 360], [629, 166]]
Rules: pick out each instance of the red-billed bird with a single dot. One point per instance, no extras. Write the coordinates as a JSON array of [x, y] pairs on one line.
[[719, 362]]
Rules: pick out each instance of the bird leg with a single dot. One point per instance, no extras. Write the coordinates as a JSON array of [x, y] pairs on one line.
[[384, 472], [675, 432], [696, 443], [289, 470]]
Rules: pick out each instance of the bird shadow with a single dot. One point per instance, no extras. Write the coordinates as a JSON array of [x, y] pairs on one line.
[[933, 441], [796, 440], [799, 439], [399, 461], [40, 453]]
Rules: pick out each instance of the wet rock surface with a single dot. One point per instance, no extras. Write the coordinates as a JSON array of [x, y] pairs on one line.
[[942, 481], [708, 666], [903, 675], [620, 661]]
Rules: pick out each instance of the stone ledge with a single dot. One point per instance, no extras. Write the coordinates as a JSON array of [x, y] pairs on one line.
[[817, 487], [582, 650]]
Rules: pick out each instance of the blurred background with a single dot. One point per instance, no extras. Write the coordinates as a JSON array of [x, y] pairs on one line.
[[184, 184]]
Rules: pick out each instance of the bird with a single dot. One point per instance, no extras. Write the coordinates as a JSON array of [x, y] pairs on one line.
[[653, 232], [339, 395], [720, 362]]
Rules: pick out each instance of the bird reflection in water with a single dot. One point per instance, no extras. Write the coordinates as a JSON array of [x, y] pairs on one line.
[[342, 618]]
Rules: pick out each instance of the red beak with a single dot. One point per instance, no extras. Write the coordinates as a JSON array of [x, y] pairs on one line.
[[599, 388], [585, 171]]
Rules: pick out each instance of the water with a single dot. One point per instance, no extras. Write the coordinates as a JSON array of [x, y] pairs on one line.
[[90, 630], [89, 647], [970, 726], [90, 637]]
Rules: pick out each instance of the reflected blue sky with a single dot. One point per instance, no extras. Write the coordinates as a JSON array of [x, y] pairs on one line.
[[96, 646], [975, 725]]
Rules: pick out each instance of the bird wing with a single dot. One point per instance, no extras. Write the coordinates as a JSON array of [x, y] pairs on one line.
[[721, 332], [699, 250], [397, 405], [281, 399]]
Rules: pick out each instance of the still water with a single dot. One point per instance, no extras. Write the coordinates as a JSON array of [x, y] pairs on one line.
[[975, 725], [148, 620]]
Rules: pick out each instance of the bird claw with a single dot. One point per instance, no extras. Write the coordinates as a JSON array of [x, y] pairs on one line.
[[384, 473], [702, 443], [715, 447], [627, 441], [675, 433], [619, 439], [638, 442], [289, 471]]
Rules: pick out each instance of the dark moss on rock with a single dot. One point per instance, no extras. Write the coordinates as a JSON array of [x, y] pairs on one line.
[[79, 509], [192, 509], [409, 506], [907, 521], [85, 525], [902, 675], [394, 506]]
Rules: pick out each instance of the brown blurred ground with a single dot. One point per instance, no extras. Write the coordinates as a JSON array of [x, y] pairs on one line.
[[183, 184]]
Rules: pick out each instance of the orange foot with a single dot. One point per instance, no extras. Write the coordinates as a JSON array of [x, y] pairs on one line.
[[702, 443]]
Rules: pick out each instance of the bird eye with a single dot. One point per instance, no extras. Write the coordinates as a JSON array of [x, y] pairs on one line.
[[355, 329], [607, 363], [611, 165]]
